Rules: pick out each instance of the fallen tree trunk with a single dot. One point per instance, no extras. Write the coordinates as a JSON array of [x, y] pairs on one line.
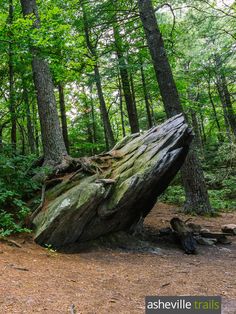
[[120, 193], [185, 235]]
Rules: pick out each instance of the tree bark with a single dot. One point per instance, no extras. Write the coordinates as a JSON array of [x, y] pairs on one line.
[[192, 174], [161, 64], [130, 105], [89, 119], [36, 132], [2, 126], [202, 128], [63, 116], [133, 91], [146, 98], [22, 132], [93, 118], [53, 144], [185, 235], [220, 138], [104, 113], [226, 103], [103, 108], [121, 107], [1, 131], [12, 105], [198, 138], [30, 129]]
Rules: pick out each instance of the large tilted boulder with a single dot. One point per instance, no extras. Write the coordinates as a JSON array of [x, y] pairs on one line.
[[129, 179]]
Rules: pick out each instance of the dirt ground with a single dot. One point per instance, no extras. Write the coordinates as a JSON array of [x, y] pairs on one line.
[[35, 280]]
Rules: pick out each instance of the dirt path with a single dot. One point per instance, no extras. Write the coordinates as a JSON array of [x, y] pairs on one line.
[[34, 280]]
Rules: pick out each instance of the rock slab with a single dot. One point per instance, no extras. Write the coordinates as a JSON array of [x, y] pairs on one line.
[[131, 176]]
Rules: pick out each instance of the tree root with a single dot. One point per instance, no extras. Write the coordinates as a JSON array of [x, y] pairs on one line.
[[87, 165], [29, 220]]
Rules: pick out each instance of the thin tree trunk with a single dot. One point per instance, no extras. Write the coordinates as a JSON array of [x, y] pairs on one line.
[[202, 128], [198, 130], [30, 129], [121, 108], [197, 199], [152, 110], [168, 90], [11, 80], [1, 133], [133, 93], [130, 105], [110, 141], [198, 138], [93, 117], [225, 114], [63, 116], [226, 103], [37, 141], [53, 144], [145, 92], [35, 126], [214, 110], [104, 112], [89, 123], [21, 128]]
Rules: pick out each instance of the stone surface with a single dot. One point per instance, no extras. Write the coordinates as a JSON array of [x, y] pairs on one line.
[[230, 228], [131, 177]]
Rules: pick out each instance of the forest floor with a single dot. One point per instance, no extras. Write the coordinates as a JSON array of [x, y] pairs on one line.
[[35, 280]]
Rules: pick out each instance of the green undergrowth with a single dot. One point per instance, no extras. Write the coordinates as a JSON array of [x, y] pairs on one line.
[[16, 187], [220, 174]]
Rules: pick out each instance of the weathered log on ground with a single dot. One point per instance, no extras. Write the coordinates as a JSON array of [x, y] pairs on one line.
[[191, 234], [120, 194], [185, 235]]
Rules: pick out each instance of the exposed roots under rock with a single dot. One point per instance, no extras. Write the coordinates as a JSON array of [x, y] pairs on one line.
[[68, 165]]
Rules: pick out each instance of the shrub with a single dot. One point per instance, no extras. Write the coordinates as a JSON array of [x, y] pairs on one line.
[[16, 186]]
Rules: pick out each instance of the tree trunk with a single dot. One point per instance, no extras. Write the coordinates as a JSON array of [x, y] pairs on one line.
[[89, 119], [202, 128], [30, 129], [161, 64], [103, 108], [214, 112], [133, 92], [12, 105], [104, 113], [185, 235], [93, 118], [2, 126], [53, 144], [63, 116], [146, 98], [226, 103], [121, 108], [198, 138], [1, 131], [193, 179], [197, 200], [130, 105], [132, 175], [35, 126]]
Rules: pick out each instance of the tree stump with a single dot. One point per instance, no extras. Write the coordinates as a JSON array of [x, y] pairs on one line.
[[120, 193]]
